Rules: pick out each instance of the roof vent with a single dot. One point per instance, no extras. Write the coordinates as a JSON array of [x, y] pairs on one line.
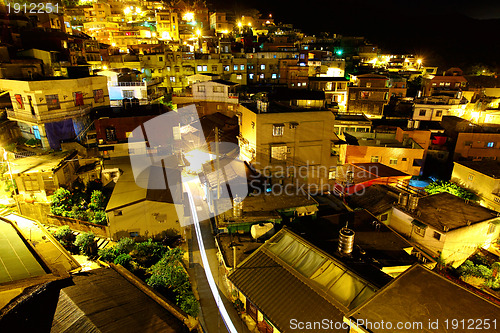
[[346, 241]]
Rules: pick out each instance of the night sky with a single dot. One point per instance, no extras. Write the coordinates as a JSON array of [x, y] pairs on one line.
[[445, 32]]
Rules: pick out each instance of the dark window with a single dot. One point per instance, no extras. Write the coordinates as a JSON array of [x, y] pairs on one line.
[[422, 113], [110, 134], [52, 102], [78, 98], [384, 217], [437, 235]]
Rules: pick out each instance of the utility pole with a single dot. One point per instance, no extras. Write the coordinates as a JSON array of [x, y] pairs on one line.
[[217, 162]]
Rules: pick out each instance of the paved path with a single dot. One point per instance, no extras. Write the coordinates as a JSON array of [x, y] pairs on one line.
[[210, 316]]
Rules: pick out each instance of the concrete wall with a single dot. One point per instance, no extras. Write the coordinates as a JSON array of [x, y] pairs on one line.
[[147, 218], [478, 149], [479, 183]]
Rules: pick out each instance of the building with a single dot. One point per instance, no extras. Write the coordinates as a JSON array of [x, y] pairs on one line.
[[482, 178], [211, 97], [356, 178], [280, 141], [335, 89], [377, 199], [134, 211], [351, 122], [451, 83], [167, 25], [434, 108], [446, 226], [315, 287], [477, 146], [415, 302], [369, 96], [220, 23], [54, 110], [406, 155]]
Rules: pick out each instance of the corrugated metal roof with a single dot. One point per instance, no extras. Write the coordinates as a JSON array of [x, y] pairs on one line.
[[103, 301], [288, 278]]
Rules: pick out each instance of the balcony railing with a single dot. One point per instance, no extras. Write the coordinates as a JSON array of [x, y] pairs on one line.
[[50, 115], [129, 84]]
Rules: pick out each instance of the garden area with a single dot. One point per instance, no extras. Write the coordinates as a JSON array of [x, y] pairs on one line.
[[482, 270], [452, 188], [159, 266], [84, 203]]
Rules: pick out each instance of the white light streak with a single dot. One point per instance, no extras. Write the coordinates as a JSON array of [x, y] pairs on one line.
[[206, 266]]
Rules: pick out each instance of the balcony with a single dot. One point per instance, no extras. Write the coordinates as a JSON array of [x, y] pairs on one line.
[[49, 116]]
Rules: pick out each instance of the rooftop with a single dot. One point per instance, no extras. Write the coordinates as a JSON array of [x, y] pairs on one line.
[[376, 246], [16, 260], [444, 211], [421, 296], [487, 167], [377, 199], [104, 301], [41, 163], [351, 117], [275, 107], [133, 111], [379, 140], [311, 288], [327, 78], [127, 192]]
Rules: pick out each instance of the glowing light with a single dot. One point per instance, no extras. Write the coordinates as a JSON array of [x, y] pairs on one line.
[[419, 61], [196, 159], [105, 67], [127, 10], [188, 16], [113, 44], [138, 10], [206, 266], [198, 32], [240, 24], [224, 31], [249, 24], [154, 34]]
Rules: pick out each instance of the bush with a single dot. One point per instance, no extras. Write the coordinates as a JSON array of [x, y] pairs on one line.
[[452, 188], [97, 201], [125, 245], [149, 253], [108, 254], [168, 275], [86, 243], [61, 202], [124, 260], [65, 236], [98, 217]]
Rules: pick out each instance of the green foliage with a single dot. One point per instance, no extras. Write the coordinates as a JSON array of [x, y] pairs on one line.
[[123, 259], [61, 202], [86, 243], [125, 245], [65, 236], [108, 254], [169, 275], [97, 201], [98, 217], [149, 253], [452, 188], [92, 185]]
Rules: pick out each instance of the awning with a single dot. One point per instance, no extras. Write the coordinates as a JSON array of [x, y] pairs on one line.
[[419, 224]]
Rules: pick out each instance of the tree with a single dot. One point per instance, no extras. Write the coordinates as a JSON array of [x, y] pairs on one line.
[[414, 86], [98, 217], [61, 202], [86, 243], [97, 201], [452, 188]]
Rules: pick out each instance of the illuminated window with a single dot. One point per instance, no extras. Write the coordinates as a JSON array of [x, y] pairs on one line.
[[393, 161], [274, 76], [238, 77], [470, 177], [262, 67], [242, 67], [374, 159], [278, 129], [490, 144], [261, 76], [278, 153], [332, 174], [250, 76], [235, 67]]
